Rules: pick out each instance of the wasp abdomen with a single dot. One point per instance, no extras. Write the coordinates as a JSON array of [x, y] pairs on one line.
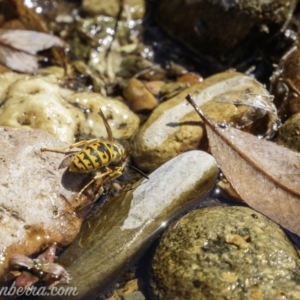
[[95, 156]]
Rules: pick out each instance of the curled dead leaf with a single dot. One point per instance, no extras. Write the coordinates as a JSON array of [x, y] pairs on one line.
[[264, 174]]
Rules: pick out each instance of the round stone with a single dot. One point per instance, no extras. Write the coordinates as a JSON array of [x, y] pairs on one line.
[[225, 253], [288, 133]]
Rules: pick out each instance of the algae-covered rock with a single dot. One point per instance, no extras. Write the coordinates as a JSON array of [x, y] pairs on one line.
[[225, 253], [40, 102], [289, 133]]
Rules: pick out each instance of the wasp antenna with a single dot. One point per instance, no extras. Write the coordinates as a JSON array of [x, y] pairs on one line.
[[138, 170], [108, 129]]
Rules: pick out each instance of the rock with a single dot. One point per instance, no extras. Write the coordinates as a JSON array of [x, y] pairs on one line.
[[175, 70], [225, 189], [154, 87], [35, 102], [191, 78], [111, 8], [154, 73], [138, 97], [39, 102], [174, 127], [37, 200], [285, 83], [137, 295], [123, 122], [148, 70], [208, 28], [225, 253], [6, 80], [130, 288], [294, 104], [289, 133], [124, 226], [105, 57], [171, 89]]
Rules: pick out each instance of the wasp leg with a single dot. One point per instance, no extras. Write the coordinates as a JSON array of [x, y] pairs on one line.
[[107, 173], [84, 143], [116, 172]]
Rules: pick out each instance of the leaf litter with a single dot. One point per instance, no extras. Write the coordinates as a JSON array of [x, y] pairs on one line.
[[264, 174], [18, 48]]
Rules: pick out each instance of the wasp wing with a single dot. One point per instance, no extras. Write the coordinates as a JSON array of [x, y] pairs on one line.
[[66, 161]]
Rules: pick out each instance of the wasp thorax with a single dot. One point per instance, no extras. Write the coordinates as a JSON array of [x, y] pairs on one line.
[[118, 153]]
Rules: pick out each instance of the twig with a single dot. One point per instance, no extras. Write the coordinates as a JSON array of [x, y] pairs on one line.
[[193, 103]]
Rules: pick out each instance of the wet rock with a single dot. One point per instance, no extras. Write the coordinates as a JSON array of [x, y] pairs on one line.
[[6, 80], [285, 83], [137, 295], [225, 253], [289, 133], [129, 292], [124, 226], [208, 27], [35, 102], [130, 288], [111, 8], [138, 96], [154, 87], [123, 122], [37, 200], [174, 127], [154, 73], [175, 69], [104, 57], [171, 89], [39, 102], [294, 104], [224, 188], [132, 65], [191, 78]]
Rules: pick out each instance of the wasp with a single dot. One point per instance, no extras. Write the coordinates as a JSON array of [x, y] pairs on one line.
[[108, 157]]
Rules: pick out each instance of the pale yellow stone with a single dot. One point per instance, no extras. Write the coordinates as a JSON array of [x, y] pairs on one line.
[[174, 127], [39, 102], [133, 8]]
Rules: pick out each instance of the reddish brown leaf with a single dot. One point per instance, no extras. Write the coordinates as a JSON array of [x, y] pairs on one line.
[[264, 174]]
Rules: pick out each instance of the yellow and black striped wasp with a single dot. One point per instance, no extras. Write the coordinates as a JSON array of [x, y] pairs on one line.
[[108, 157]]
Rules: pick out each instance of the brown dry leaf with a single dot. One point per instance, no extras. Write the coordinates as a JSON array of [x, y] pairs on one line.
[[18, 48], [266, 175]]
